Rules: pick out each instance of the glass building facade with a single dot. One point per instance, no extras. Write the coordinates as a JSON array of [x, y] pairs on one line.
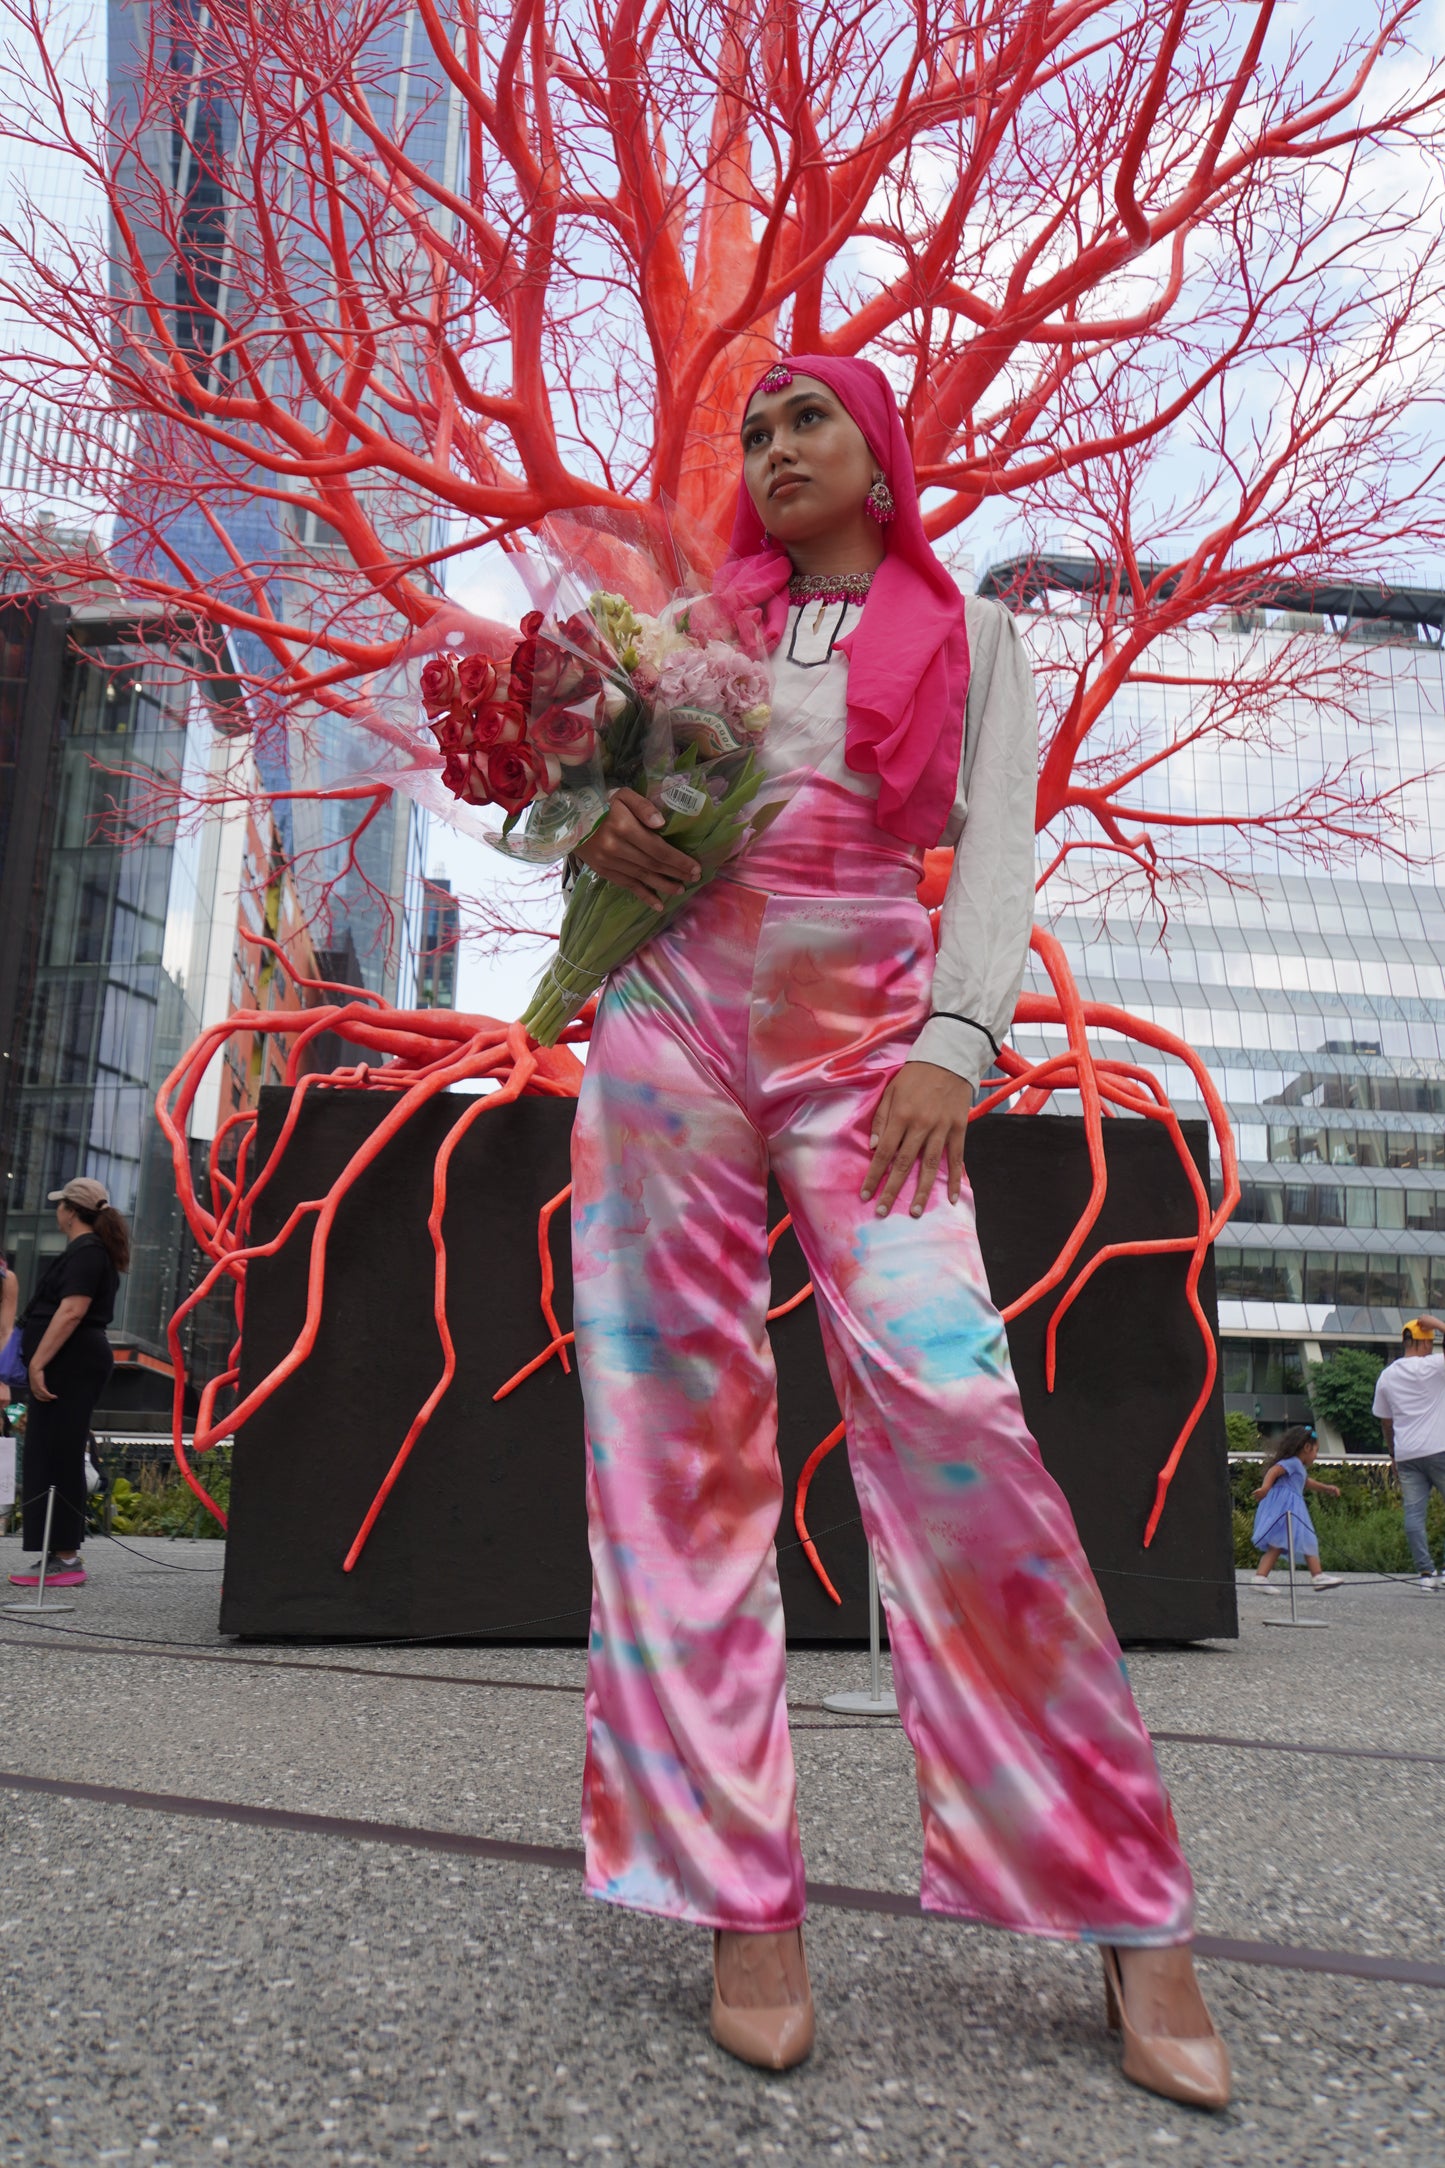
[[107, 921], [1315, 996], [436, 965], [354, 881]]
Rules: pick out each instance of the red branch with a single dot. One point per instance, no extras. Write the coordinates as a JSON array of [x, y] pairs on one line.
[[429, 1050]]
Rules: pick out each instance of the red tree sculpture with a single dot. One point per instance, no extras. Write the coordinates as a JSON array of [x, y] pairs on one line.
[[385, 283]]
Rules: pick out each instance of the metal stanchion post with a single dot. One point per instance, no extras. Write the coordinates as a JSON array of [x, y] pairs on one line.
[[28, 1610], [1320, 1625], [876, 1702]]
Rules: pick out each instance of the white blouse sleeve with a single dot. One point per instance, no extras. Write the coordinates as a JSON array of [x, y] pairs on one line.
[[988, 910]]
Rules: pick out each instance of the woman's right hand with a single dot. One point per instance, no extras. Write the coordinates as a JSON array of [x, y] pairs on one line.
[[624, 850]]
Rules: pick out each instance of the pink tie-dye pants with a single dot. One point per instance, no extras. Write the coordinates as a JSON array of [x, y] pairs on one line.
[[758, 1033]]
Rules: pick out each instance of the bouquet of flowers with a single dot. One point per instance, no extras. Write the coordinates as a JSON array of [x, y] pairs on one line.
[[672, 704]]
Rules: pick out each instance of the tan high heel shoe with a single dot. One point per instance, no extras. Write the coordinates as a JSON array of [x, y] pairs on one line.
[[773, 2039], [1195, 2071]]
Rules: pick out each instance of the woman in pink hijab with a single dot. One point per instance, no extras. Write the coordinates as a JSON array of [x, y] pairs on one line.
[[794, 1022]]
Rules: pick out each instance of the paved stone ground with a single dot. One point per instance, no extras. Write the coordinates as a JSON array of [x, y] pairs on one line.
[[175, 1991]]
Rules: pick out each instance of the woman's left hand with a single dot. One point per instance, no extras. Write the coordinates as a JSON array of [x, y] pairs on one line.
[[922, 1119], [37, 1384]]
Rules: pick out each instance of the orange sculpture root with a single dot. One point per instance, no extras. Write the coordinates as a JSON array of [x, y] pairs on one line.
[[810, 1468], [424, 1052], [1105, 1088]]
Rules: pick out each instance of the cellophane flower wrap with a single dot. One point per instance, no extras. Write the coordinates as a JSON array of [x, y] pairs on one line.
[[673, 704]]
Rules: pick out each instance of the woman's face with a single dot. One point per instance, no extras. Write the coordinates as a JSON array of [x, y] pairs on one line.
[[805, 460]]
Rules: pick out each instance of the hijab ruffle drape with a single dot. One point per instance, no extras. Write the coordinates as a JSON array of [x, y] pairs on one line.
[[908, 654]]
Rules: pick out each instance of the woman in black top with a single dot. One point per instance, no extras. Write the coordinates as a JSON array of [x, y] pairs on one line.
[[63, 1341]]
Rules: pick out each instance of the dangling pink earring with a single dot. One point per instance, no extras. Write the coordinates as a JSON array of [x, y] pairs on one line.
[[878, 503]]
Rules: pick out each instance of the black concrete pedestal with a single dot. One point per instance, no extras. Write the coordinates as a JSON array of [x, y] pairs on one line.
[[485, 1534]]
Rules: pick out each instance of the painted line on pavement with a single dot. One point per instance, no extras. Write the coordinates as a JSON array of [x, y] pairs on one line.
[[834, 1896], [160, 1653], [1286, 1746]]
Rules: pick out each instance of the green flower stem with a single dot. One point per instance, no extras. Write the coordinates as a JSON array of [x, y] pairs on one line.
[[603, 924]]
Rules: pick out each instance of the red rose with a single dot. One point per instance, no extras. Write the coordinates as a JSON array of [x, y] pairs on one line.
[[568, 733], [499, 722], [515, 774], [476, 678], [532, 623], [545, 675], [524, 663], [439, 684], [455, 771], [581, 631], [448, 731]]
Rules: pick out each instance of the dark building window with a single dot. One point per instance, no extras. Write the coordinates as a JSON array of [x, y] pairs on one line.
[[1326, 1204], [436, 972], [1335, 1279]]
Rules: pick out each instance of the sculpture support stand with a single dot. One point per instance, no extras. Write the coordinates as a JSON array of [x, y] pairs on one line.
[[1305, 1624], [875, 1702], [28, 1610]]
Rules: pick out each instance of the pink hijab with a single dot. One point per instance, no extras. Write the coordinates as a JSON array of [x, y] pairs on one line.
[[908, 654]]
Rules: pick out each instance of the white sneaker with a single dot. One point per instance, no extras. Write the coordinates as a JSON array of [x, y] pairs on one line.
[[1265, 1586], [1326, 1580], [1431, 1583]]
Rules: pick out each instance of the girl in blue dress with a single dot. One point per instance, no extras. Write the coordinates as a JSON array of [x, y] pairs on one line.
[[1282, 1499]]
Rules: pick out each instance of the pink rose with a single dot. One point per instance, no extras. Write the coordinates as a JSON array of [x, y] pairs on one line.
[[476, 678], [439, 684]]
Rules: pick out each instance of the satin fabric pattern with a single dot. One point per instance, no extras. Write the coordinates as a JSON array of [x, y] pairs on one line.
[[759, 1031]]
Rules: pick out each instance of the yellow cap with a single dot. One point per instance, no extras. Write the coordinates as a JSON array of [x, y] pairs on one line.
[[1414, 1330]]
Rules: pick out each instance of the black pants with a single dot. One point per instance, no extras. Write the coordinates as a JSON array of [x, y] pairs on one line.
[[55, 1435]]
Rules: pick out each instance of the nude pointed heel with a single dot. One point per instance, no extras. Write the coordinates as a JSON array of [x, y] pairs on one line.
[[1194, 2071], [769, 2039]]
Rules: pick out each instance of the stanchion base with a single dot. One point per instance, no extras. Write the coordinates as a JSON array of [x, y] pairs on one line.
[[1302, 1625], [861, 1704], [33, 1610]]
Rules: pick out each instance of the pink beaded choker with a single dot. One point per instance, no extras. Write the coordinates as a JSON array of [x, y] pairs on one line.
[[829, 586]]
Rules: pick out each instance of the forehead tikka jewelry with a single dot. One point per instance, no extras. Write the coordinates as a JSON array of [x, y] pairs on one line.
[[778, 378]]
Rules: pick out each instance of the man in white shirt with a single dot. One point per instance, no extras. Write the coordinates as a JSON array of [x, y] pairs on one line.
[[1410, 1402]]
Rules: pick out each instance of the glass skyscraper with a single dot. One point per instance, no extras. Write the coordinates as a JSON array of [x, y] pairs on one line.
[[1314, 994], [357, 893], [110, 917]]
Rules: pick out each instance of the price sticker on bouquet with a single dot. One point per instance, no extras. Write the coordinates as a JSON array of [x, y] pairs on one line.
[[684, 797]]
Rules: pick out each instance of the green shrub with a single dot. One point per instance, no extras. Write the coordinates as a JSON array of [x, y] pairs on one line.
[[1241, 1433], [1359, 1532], [167, 1508], [1369, 1542], [1342, 1389]]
